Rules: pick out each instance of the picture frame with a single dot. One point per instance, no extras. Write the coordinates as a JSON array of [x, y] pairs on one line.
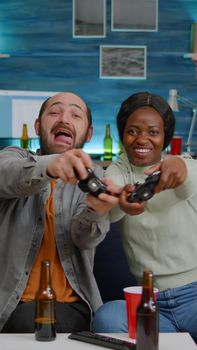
[[122, 62], [89, 19], [127, 15]]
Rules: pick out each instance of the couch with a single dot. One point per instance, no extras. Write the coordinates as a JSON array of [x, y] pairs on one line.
[[111, 268]]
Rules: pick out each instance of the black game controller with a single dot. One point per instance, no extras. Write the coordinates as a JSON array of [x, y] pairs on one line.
[[92, 184], [144, 191]]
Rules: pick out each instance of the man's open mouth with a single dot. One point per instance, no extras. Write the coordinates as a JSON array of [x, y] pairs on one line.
[[64, 136]]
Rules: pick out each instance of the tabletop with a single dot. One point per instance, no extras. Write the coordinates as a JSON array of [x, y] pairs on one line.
[[167, 341]]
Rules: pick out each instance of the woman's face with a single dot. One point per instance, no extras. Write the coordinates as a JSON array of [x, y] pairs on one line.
[[143, 136]]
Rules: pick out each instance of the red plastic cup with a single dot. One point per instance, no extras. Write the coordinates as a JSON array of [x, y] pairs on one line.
[[133, 297], [176, 145]]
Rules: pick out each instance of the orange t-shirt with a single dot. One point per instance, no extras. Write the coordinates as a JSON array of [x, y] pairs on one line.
[[48, 251]]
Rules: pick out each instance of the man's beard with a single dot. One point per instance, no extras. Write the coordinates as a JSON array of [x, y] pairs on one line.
[[46, 149]]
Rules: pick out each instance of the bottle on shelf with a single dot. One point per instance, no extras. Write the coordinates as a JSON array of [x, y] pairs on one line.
[[24, 140], [45, 320], [147, 317], [108, 143]]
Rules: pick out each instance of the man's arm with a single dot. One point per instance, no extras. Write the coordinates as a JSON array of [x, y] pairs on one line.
[[24, 173], [89, 228]]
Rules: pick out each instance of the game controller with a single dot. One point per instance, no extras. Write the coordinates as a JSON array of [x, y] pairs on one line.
[[144, 191], [92, 184]]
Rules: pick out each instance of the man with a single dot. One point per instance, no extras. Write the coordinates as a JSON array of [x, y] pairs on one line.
[[44, 216]]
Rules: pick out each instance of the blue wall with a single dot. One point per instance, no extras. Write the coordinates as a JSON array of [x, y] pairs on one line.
[[45, 57]]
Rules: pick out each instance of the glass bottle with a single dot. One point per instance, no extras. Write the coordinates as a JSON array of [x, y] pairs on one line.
[[24, 140], [107, 144], [45, 321], [147, 317]]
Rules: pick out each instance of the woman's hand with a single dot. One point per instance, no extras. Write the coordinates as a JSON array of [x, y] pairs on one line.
[[130, 208], [173, 173]]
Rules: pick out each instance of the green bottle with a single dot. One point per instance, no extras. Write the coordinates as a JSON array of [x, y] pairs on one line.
[[24, 140], [107, 144]]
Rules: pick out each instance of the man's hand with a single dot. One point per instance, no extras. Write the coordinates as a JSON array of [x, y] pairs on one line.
[[173, 173], [105, 201], [65, 164]]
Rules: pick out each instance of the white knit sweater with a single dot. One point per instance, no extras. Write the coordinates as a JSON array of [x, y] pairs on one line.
[[164, 237]]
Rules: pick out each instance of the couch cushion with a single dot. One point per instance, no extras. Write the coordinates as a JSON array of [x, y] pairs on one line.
[[111, 268]]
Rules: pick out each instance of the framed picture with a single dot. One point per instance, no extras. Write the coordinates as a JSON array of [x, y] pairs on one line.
[[89, 18], [134, 15], [122, 62]]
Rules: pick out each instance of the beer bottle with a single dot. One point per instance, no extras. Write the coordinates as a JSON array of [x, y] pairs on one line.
[[24, 140], [107, 144], [147, 317], [45, 322]]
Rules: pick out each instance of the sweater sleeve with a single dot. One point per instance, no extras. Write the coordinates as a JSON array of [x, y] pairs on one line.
[[189, 188]]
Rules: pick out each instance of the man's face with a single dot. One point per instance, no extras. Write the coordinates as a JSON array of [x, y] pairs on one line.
[[63, 124], [143, 137]]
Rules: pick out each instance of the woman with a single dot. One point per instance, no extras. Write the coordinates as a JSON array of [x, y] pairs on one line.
[[159, 234]]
